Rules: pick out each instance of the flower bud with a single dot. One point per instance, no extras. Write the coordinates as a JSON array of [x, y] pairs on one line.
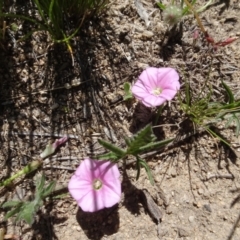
[[172, 14]]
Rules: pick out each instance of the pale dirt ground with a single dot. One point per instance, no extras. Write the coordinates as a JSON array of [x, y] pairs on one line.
[[199, 179]]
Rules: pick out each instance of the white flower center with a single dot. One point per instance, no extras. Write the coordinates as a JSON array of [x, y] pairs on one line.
[[97, 184], [157, 91]]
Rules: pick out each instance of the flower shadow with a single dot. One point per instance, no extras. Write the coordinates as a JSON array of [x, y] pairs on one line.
[[132, 199], [142, 115], [97, 224]]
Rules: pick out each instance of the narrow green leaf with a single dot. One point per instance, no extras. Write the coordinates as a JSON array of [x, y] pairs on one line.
[[234, 118], [127, 91], [229, 93], [237, 125], [11, 204], [127, 87], [27, 213], [108, 156], [230, 120], [144, 164], [40, 183], [118, 151], [161, 6], [155, 145], [203, 8], [187, 92], [13, 212], [185, 10], [211, 132], [48, 190], [142, 138]]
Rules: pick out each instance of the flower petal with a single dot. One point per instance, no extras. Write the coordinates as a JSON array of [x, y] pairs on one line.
[[111, 194], [88, 169], [168, 94], [139, 90], [149, 77], [153, 101], [168, 78], [81, 185], [91, 202]]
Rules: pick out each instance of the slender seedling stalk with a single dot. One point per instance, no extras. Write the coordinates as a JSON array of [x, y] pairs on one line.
[[26, 170], [197, 18]]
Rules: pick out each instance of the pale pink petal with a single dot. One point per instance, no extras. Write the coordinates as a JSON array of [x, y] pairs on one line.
[[91, 202], [88, 169], [148, 77], [168, 94], [79, 187], [153, 101], [140, 88], [111, 196], [82, 189], [108, 170], [168, 78]]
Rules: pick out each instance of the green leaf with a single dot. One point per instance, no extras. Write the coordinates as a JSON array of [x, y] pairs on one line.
[[203, 8], [127, 90], [27, 213], [155, 145], [214, 134], [237, 125], [127, 87], [187, 92], [142, 138], [118, 151], [40, 183], [10, 204], [161, 6], [108, 156], [48, 190], [234, 118], [14, 211], [229, 93], [144, 164]]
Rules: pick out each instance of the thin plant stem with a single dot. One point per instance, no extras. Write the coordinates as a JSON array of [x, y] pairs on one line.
[[26, 170], [197, 18]]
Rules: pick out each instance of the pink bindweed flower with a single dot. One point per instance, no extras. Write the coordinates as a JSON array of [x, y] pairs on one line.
[[95, 185], [156, 85]]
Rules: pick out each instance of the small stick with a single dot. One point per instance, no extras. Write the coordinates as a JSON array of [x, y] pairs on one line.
[[56, 135], [227, 176], [58, 167]]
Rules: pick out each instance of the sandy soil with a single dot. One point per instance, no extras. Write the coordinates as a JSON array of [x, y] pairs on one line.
[[197, 182]]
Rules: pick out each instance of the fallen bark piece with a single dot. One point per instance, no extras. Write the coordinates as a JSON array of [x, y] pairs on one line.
[[153, 208]]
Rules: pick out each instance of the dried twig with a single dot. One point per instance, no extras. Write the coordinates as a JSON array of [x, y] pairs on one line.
[[37, 134], [152, 208], [227, 176]]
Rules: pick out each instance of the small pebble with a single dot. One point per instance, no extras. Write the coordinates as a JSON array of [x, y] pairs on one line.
[[191, 219], [207, 207]]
